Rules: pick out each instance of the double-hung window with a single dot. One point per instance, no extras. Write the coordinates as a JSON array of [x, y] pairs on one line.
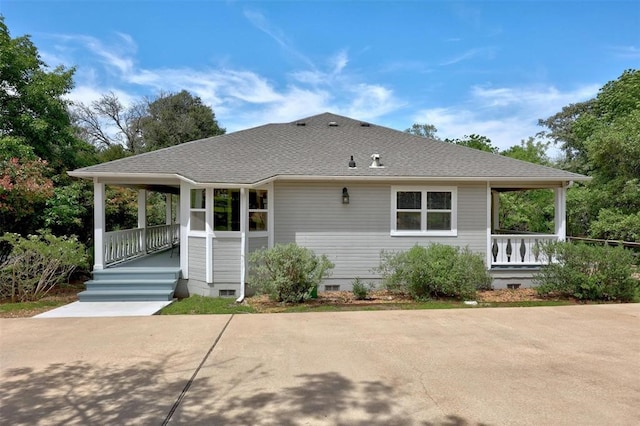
[[258, 204], [427, 211]]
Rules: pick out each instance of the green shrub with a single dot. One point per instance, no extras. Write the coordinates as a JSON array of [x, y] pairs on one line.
[[435, 271], [361, 289], [288, 273], [37, 264], [587, 272]]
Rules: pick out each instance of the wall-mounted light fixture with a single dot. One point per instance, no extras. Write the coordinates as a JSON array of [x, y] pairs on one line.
[[345, 196]]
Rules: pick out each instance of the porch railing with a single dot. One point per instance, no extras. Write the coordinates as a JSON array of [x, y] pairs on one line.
[[131, 243], [518, 249]]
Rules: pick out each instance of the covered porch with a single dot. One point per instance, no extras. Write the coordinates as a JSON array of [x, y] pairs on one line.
[[508, 248]]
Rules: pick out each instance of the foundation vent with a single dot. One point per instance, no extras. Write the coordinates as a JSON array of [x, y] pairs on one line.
[[226, 293], [332, 287]]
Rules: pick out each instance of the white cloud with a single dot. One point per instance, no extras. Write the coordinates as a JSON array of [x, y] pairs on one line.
[[484, 52], [506, 115]]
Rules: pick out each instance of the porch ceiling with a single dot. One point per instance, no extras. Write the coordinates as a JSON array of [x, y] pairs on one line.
[[165, 189]]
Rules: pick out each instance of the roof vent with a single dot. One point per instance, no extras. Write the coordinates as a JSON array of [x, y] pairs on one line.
[[301, 123], [352, 163], [333, 124], [365, 125], [375, 162]]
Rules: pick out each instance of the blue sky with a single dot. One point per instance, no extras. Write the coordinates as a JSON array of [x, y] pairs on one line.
[[490, 68]]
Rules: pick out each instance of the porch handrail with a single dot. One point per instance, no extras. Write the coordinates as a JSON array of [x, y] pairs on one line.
[[123, 245], [127, 244], [518, 249]]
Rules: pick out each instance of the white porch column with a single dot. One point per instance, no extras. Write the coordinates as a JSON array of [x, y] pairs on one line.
[[495, 209], [168, 217], [142, 217], [489, 200], [98, 225], [560, 209], [183, 215], [244, 228], [208, 202]]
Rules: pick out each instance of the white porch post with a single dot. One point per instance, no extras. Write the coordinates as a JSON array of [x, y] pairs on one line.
[[244, 227], [495, 209], [560, 209], [98, 224], [168, 217], [489, 201], [208, 202], [142, 217], [183, 220]]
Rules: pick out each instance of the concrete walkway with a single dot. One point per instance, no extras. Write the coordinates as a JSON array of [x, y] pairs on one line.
[[509, 366], [105, 309]]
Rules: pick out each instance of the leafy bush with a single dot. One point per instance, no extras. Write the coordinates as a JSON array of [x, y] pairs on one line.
[[37, 264], [587, 272], [435, 271], [361, 289], [288, 272]]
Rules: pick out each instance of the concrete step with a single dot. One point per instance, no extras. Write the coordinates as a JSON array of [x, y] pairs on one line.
[[126, 284], [125, 295]]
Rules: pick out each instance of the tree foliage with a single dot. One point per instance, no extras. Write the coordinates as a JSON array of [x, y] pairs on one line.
[[149, 124], [33, 111], [601, 137], [474, 141], [424, 130]]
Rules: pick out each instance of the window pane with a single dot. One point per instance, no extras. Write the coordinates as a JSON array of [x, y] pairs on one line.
[[226, 209], [197, 221], [408, 221], [438, 221], [439, 200], [257, 221], [257, 199], [197, 199], [409, 200]]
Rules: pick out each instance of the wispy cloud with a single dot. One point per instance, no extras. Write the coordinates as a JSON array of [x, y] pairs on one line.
[[626, 52], [506, 115], [482, 52], [239, 97], [260, 21]]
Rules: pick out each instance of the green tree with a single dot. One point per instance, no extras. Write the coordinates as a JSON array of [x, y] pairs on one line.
[[601, 137], [474, 141], [531, 210], [424, 130], [33, 111], [172, 119]]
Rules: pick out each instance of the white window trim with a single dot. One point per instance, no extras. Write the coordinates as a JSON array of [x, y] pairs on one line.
[[264, 233], [453, 232]]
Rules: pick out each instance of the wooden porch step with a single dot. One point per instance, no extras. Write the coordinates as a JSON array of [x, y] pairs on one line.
[[131, 284]]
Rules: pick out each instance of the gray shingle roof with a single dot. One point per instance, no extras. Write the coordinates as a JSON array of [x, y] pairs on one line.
[[321, 150]]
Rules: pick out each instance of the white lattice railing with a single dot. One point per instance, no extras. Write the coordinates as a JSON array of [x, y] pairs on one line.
[[130, 243], [518, 249]]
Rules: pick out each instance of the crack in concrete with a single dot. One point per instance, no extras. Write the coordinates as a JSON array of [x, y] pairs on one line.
[[195, 373]]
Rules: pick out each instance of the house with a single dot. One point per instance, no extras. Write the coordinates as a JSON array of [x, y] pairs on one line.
[[337, 185]]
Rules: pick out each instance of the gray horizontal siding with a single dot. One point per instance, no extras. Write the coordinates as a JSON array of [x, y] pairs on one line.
[[226, 260], [353, 235], [197, 256], [257, 243]]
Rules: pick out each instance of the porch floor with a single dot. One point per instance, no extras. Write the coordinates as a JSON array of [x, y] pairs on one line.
[[167, 258]]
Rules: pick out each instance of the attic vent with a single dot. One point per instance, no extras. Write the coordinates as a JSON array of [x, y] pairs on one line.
[[333, 124], [375, 162], [352, 163], [365, 125], [301, 123]]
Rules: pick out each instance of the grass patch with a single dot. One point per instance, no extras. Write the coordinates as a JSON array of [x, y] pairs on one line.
[[200, 305]]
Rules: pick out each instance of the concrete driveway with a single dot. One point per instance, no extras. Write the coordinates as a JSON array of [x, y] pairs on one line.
[[557, 365]]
